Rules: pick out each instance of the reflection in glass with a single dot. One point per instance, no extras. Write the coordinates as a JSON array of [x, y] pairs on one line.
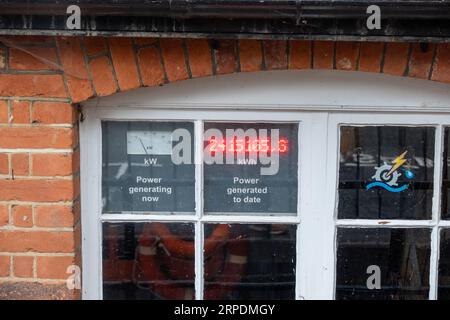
[[253, 169], [446, 176], [148, 261], [139, 173], [444, 266], [386, 172], [400, 257], [255, 261]]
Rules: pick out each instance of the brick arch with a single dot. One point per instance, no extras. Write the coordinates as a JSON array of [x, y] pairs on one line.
[[41, 80], [79, 68], [101, 67]]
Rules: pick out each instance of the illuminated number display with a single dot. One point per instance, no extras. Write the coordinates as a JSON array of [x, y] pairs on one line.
[[251, 168], [247, 145]]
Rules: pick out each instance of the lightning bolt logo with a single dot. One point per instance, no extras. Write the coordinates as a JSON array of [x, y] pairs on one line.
[[398, 162]]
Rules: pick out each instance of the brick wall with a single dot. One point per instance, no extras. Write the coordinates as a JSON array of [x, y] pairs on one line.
[[42, 79]]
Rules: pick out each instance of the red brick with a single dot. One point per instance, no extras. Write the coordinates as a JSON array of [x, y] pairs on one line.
[[347, 55], [75, 70], [52, 113], [275, 54], [4, 118], [199, 57], [36, 137], [36, 241], [323, 54], [174, 62], [225, 56], [31, 290], [23, 266], [54, 216], [4, 215], [420, 62], [22, 216], [124, 63], [20, 111], [396, 58], [370, 56], [37, 190], [32, 85], [11, 289], [250, 55], [4, 163], [75, 162], [20, 164], [33, 58], [299, 54], [441, 68], [152, 71], [5, 266], [102, 76], [95, 45], [61, 164], [53, 267]]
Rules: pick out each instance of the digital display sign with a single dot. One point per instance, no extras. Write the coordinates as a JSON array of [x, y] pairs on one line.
[[251, 168], [247, 145]]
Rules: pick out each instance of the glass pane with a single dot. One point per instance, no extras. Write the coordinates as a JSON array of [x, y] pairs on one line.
[[386, 172], [382, 264], [249, 261], [446, 177], [251, 168], [148, 167], [444, 266], [148, 261]]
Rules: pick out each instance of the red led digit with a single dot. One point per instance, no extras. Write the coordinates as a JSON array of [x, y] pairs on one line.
[[283, 146], [221, 146], [212, 145], [264, 145], [239, 145]]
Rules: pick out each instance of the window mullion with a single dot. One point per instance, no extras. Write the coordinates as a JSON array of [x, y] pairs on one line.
[[436, 212], [438, 153], [435, 238], [315, 268], [198, 160]]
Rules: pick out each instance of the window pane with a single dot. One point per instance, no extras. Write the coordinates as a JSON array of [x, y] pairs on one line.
[[446, 177], [386, 172], [444, 266], [141, 167], [382, 263], [250, 261], [251, 168], [148, 261]]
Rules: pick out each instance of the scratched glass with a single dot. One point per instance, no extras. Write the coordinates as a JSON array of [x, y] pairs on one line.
[[139, 172], [249, 261], [253, 168], [143, 261], [383, 264], [386, 172]]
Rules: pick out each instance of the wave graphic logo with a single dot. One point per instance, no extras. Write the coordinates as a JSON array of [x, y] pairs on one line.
[[386, 176]]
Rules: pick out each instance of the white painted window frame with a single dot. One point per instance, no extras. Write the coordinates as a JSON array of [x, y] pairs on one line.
[[319, 119], [92, 217], [317, 205], [436, 224]]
